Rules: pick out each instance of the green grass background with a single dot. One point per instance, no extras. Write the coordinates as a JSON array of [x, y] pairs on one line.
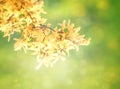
[[96, 66]]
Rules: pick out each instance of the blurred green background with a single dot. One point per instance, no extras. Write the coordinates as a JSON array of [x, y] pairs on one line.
[[96, 66]]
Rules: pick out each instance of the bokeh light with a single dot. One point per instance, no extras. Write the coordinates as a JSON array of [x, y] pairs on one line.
[[96, 66]]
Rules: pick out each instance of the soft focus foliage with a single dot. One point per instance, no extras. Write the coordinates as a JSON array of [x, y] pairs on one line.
[[49, 44], [96, 66]]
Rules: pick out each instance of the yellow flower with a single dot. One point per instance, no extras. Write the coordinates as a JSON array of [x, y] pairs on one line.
[[48, 44]]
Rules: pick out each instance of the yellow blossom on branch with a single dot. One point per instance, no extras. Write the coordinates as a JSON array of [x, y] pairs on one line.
[[48, 44]]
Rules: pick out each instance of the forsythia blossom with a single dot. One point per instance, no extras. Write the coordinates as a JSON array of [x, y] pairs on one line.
[[48, 44]]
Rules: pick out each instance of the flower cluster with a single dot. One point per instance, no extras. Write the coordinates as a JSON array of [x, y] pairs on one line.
[[48, 44]]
